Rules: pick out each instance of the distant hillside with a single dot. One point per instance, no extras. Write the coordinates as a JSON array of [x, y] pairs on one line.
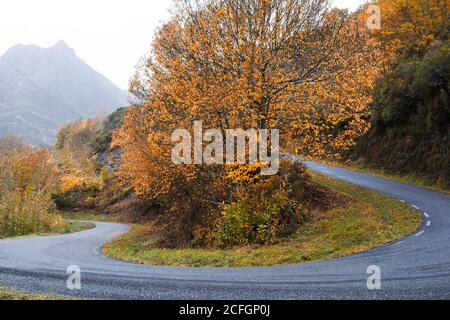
[[42, 88]]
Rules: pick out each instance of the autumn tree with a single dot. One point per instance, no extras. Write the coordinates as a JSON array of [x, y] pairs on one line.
[[258, 64], [294, 65], [411, 27]]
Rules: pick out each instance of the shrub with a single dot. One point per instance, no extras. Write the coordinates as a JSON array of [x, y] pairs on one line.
[[27, 179], [242, 226], [104, 174], [264, 208], [80, 196], [22, 214]]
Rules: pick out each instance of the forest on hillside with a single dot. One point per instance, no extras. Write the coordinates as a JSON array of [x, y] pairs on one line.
[[410, 124]]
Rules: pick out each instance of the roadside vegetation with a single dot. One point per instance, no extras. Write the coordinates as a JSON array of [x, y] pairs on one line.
[[87, 164], [10, 294], [86, 215], [30, 179], [405, 178], [66, 228], [357, 220], [410, 123], [27, 180]]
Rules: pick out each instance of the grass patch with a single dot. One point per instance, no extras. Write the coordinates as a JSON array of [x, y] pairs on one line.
[[10, 294], [409, 179], [69, 227], [88, 216], [367, 220]]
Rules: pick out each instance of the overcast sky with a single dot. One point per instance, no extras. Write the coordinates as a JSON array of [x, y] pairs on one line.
[[110, 35]]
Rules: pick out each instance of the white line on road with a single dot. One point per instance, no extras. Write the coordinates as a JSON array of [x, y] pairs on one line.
[[428, 223], [415, 207], [420, 233], [426, 214]]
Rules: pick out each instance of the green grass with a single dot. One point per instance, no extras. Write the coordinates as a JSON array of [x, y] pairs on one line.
[[367, 220], [70, 227], [10, 294], [88, 216], [409, 179]]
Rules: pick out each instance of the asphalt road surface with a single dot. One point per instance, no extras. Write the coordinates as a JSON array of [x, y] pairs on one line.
[[417, 267]]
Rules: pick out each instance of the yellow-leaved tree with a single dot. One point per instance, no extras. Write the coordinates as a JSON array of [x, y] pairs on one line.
[[293, 65], [410, 27]]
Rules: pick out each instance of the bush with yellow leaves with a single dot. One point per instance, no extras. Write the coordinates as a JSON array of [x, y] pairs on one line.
[[27, 180]]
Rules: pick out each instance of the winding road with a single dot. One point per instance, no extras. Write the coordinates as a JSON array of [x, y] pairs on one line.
[[417, 267]]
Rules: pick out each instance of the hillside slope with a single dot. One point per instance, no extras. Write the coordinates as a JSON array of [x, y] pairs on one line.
[[410, 132]]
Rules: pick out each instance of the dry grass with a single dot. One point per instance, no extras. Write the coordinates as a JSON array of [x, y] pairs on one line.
[[10, 294], [86, 215], [65, 228]]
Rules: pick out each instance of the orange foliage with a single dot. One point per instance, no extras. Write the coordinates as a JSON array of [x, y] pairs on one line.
[[286, 64], [28, 177], [292, 65], [410, 27]]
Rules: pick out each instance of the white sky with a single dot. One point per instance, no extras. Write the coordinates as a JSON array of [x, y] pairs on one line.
[[110, 35]]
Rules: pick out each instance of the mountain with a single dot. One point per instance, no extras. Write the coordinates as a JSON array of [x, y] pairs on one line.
[[42, 88]]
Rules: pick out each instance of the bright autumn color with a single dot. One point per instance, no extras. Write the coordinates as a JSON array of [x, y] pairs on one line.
[[28, 178], [73, 149], [293, 65], [410, 27]]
